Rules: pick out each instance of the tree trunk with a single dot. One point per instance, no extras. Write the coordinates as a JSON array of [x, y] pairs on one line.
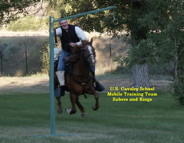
[[141, 76], [178, 72]]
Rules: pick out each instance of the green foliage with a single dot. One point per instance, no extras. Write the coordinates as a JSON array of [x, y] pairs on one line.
[[174, 29], [179, 90], [28, 23], [99, 21], [9, 9], [143, 52]]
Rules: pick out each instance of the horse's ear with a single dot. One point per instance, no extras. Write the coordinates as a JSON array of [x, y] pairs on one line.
[[91, 41]]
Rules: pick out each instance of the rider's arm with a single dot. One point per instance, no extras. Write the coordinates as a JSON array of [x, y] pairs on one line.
[[80, 34], [58, 31]]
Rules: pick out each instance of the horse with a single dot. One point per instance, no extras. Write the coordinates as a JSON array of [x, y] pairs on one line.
[[80, 79]]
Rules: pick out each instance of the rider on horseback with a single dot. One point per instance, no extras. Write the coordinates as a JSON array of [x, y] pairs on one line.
[[70, 37]]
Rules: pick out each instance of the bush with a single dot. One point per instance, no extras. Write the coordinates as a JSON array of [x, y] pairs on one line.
[[44, 52]]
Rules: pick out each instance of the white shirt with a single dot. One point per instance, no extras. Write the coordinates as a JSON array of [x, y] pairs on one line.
[[80, 34]]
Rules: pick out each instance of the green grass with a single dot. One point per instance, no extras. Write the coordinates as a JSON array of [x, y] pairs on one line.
[[26, 117]]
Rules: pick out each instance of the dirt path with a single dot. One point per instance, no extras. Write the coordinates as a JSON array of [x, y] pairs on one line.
[[41, 84], [24, 85]]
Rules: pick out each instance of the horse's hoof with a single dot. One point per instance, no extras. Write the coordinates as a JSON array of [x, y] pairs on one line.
[[69, 111], [83, 114], [72, 112], [95, 108]]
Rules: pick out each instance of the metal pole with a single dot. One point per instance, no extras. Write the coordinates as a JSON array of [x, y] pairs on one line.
[[51, 79], [85, 13]]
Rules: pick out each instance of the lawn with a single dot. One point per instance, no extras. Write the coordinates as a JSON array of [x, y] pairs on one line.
[[25, 118]]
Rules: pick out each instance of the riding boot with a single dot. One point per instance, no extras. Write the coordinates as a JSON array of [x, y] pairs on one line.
[[62, 90], [59, 110], [61, 77], [98, 87], [57, 92]]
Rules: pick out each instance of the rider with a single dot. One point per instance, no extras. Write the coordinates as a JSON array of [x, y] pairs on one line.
[[70, 36]]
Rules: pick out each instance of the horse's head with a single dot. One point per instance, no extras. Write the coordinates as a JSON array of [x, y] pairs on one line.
[[88, 51], [75, 50]]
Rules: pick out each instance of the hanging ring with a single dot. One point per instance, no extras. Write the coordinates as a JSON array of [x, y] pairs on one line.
[[115, 21]]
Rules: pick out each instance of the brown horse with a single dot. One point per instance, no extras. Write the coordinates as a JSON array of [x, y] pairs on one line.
[[80, 79]]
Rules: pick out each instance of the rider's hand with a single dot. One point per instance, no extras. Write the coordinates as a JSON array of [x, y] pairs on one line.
[[72, 44]]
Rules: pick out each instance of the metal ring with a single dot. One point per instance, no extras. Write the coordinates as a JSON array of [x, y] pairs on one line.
[[115, 21]]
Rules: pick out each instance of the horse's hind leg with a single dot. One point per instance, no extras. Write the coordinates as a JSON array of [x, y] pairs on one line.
[[96, 106], [79, 105]]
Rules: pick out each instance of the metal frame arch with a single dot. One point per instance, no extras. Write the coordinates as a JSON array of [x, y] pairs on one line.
[[51, 53]]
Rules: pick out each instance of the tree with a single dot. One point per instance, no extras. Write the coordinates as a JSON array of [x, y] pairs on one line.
[[175, 31], [9, 9], [138, 37], [166, 22]]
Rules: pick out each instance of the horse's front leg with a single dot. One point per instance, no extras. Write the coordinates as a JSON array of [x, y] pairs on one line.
[[96, 106], [79, 105], [73, 102]]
